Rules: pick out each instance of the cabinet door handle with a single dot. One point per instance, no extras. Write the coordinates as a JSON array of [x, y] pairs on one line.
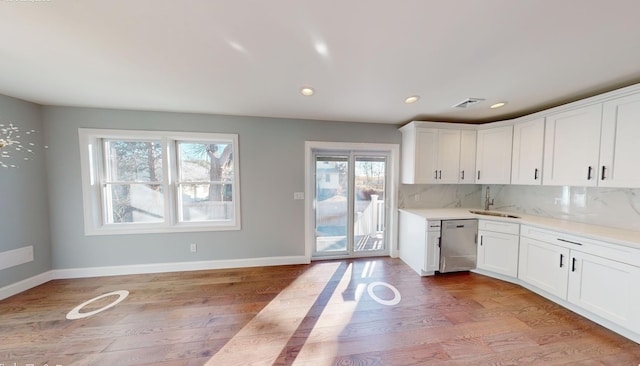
[[561, 260], [439, 174], [478, 175], [481, 239], [535, 174], [569, 241], [435, 174], [603, 175], [438, 242], [589, 173], [462, 175], [573, 264]]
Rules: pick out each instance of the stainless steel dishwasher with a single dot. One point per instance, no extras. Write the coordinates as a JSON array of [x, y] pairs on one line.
[[458, 245]]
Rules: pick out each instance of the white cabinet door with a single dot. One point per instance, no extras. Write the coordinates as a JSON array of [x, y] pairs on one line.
[[620, 143], [493, 159], [425, 155], [430, 155], [545, 266], [528, 143], [498, 252], [571, 151], [448, 152], [433, 251], [467, 157], [606, 288]]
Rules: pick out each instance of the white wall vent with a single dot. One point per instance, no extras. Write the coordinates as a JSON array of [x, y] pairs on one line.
[[468, 102]]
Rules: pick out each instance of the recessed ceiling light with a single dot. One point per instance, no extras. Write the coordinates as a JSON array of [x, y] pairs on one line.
[[322, 48], [498, 105], [412, 99], [307, 92]]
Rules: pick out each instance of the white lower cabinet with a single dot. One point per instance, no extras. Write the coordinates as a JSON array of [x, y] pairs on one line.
[[544, 266], [605, 288], [433, 250], [593, 276], [498, 247], [419, 241]]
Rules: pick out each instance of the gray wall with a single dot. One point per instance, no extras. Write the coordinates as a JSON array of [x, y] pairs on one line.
[[23, 196], [271, 169]]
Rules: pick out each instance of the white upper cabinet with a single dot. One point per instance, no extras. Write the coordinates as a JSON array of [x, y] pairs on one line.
[[448, 161], [467, 157], [430, 155], [528, 144], [620, 143], [493, 155], [571, 146], [415, 150]]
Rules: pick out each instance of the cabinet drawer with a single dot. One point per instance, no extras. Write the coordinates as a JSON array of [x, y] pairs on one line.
[[499, 227], [433, 225], [614, 252]]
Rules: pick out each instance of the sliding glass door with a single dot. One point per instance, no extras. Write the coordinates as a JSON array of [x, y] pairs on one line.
[[349, 203]]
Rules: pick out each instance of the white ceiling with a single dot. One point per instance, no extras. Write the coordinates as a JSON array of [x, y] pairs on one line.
[[251, 57]]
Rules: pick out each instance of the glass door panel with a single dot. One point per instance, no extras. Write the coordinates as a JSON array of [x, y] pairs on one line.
[[332, 205], [369, 203]]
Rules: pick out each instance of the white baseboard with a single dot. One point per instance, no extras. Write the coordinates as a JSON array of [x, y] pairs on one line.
[[176, 267], [25, 284], [58, 274]]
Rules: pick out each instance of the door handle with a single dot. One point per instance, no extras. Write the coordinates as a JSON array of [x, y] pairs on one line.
[[481, 239], [435, 174], [589, 173], [439, 174], [573, 264], [561, 260], [535, 174], [462, 175], [478, 175], [603, 175]]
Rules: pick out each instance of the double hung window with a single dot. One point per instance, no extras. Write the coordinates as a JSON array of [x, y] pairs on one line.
[[156, 181]]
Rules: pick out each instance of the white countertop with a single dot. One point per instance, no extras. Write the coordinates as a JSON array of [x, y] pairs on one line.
[[612, 235]]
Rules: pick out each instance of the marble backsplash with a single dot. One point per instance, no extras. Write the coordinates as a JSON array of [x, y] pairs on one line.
[[439, 195], [613, 207]]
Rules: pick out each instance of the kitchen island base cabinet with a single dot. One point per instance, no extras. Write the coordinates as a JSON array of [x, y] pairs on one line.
[[419, 243]]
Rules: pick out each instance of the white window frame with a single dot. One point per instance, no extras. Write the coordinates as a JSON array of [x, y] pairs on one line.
[[92, 170]]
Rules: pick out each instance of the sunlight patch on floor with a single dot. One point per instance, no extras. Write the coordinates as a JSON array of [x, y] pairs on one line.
[[276, 323]]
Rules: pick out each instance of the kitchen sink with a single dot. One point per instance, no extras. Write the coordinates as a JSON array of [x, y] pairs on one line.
[[491, 213]]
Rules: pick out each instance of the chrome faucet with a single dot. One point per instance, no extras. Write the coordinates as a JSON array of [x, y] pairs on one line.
[[488, 201]]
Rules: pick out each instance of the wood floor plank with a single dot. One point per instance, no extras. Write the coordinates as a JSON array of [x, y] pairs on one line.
[[317, 314]]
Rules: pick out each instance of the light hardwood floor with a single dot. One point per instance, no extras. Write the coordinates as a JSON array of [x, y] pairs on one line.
[[318, 314]]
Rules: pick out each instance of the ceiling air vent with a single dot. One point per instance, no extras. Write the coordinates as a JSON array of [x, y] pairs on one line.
[[468, 102]]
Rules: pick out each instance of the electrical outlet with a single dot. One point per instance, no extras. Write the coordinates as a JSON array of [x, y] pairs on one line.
[[193, 247], [416, 197], [298, 195]]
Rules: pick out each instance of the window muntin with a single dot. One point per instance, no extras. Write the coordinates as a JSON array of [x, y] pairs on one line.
[[156, 181]]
